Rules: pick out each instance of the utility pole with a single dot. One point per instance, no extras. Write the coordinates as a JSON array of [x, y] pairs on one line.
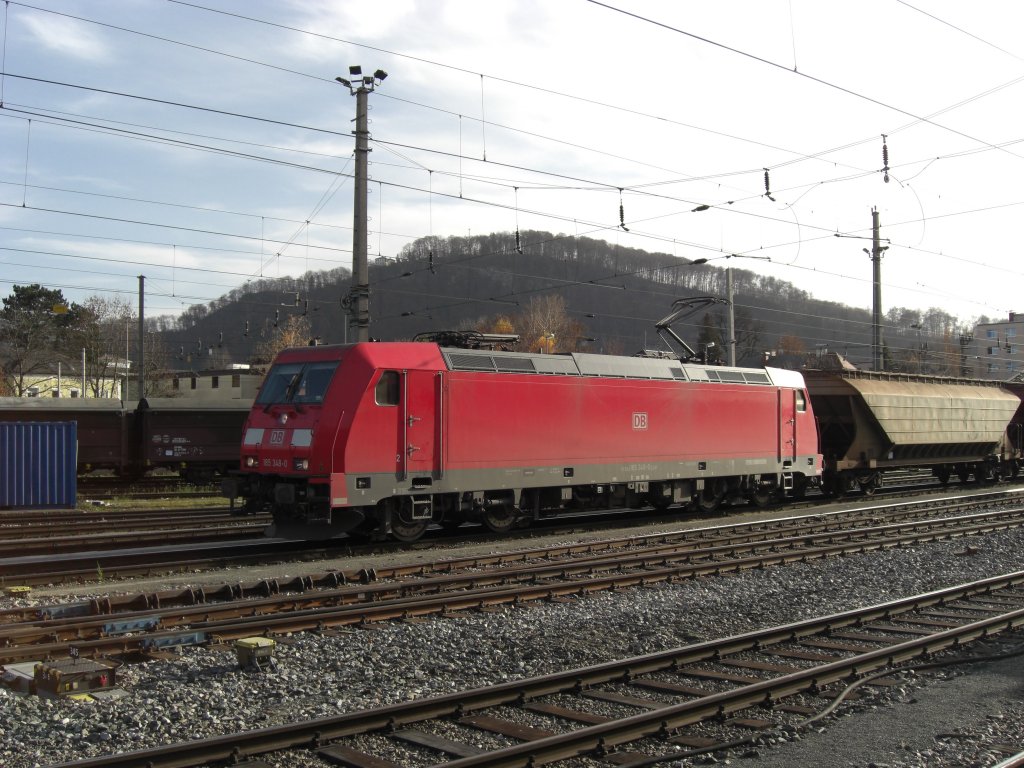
[[875, 254], [358, 299], [142, 337], [731, 326]]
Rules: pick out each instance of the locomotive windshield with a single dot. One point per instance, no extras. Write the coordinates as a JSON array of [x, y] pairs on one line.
[[297, 383]]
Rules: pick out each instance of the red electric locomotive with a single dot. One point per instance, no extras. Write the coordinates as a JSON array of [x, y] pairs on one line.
[[386, 438]]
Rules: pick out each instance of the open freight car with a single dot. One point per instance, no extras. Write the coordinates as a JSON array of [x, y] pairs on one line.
[[105, 429], [194, 438], [386, 438], [871, 422]]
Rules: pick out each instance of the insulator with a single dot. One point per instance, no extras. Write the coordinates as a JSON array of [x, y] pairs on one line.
[[885, 160], [767, 187], [519, 245], [430, 259]]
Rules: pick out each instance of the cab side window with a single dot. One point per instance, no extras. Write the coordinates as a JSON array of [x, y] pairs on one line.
[[386, 392], [801, 401]]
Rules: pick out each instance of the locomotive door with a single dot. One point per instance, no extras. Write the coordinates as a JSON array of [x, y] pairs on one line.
[[421, 398], [787, 425]]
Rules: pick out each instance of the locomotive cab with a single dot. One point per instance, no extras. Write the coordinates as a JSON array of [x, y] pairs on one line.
[[337, 429], [283, 464]]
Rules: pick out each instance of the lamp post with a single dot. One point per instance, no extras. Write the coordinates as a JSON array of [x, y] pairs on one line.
[[358, 298]]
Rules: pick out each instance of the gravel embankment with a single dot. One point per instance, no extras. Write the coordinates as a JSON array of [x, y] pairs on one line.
[[959, 716]]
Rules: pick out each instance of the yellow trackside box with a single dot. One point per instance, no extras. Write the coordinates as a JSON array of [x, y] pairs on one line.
[[255, 651]]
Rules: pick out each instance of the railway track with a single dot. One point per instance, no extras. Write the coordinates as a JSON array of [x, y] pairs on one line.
[[55, 518], [24, 569], [148, 622], [105, 537], [135, 521], [638, 710], [26, 533]]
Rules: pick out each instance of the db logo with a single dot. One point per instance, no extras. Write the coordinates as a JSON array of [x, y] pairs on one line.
[[277, 437], [639, 421]]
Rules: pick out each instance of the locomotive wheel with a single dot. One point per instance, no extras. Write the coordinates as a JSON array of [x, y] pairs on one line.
[[499, 519], [761, 497], [710, 499], [661, 502], [407, 531], [403, 527]]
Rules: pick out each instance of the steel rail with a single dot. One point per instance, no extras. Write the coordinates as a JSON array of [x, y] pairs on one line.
[[194, 601], [438, 596], [20, 517], [76, 543], [71, 530], [157, 561], [599, 738], [26, 571]]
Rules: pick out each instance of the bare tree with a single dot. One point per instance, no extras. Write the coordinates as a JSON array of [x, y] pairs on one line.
[[103, 336], [158, 356], [293, 332], [545, 326]]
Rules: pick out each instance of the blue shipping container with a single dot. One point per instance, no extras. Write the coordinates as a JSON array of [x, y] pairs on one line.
[[38, 464]]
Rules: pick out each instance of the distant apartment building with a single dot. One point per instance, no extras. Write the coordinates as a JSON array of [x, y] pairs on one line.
[[59, 380], [996, 351], [237, 382]]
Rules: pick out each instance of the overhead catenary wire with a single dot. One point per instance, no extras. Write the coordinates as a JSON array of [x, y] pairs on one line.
[[431, 195]]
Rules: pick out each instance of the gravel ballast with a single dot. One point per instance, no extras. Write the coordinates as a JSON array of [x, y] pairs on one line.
[[957, 716]]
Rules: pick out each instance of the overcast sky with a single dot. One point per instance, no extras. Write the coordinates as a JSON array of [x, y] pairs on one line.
[[206, 143]]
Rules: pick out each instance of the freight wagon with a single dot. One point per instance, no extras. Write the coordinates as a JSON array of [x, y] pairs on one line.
[[193, 438], [871, 423]]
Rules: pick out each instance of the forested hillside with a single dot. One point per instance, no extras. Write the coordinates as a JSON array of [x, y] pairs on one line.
[[560, 293]]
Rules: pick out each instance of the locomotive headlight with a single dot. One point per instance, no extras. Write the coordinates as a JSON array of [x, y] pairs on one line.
[[250, 461], [301, 465]]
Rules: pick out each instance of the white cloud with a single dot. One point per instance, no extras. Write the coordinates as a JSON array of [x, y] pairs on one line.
[[67, 37]]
